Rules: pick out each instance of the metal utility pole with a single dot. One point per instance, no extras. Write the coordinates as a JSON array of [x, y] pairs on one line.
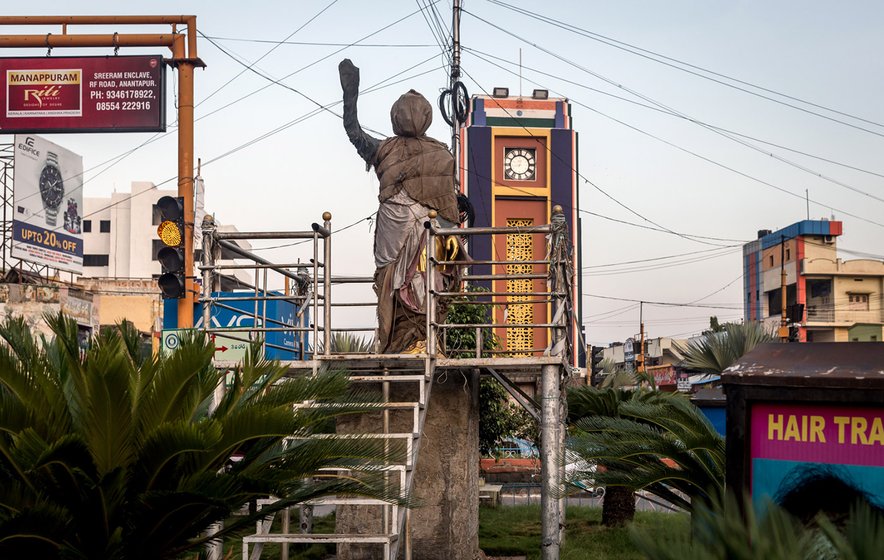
[[184, 59], [784, 321], [641, 337], [452, 85]]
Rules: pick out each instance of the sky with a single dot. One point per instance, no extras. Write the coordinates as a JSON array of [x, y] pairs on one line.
[[657, 144]]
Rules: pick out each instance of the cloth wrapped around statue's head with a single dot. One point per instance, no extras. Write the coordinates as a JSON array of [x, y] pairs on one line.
[[414, 162], [411, 115]]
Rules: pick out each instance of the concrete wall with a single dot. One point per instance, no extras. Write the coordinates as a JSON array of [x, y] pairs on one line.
[[865, 333], [33, 301], [847, 312], [816, 248], [135, 300]]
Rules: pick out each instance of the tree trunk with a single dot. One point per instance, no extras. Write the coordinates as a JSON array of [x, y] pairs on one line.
[[618, 506]]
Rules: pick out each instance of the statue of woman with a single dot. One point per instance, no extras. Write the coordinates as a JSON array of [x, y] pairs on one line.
[[416, 175]]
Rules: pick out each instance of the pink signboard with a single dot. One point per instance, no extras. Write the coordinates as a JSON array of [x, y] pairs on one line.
[[821, 434], [803, 453], [82, 94]]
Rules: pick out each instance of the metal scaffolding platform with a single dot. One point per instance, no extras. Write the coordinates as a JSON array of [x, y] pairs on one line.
[[310, 348]]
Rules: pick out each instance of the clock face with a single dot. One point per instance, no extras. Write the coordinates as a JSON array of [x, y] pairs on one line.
[[51, 186], [520, 164]]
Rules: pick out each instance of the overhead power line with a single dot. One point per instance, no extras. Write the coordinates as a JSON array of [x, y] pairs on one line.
[[620, 86], [659, 266], [585, 179], [693, 153], [266, 54], [482, 55], [650, 55], [314, 63], [160, 135], [651, 259], [324, 44], [378, 86], [666, 303]]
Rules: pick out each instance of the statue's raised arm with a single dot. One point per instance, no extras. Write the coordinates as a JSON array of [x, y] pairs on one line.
[[366, 145]]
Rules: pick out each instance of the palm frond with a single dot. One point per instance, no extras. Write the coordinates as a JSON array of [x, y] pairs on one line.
[[105, 454], [715, 352]]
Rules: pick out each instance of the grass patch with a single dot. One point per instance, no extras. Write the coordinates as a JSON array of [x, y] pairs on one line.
[[515, 531]]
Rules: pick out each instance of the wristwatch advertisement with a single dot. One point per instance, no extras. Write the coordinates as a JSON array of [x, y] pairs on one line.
[[51, 188], [47, 204]]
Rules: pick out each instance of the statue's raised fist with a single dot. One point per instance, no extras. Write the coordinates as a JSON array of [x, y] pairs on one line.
[[349, 74]]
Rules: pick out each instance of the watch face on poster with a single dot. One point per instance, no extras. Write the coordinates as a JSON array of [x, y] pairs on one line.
[[520, 164], [51, 188]]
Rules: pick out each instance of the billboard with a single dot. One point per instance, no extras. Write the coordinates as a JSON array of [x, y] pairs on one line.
[[82, 94], [47, 203], [281, 345], [800, 451]]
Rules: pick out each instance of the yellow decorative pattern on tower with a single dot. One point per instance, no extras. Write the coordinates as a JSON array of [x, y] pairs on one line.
[[519, 247]]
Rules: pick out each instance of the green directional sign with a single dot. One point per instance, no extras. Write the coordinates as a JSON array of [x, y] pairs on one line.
[[226, 349], [172, 339], [229, 350]]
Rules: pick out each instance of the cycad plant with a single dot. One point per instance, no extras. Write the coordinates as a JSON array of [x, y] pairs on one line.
[[724, 530], [648, 440], [106, 455], [717, 351]]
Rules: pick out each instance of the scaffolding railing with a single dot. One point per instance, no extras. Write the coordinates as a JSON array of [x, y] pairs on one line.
[[308, 286], [302, 287], [556, 294], [546, 282]]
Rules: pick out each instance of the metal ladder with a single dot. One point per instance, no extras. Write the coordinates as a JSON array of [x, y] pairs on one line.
[[414, 374]]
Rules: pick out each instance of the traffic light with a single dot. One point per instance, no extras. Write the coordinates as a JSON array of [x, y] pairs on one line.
[[171, 232], [596, 357]]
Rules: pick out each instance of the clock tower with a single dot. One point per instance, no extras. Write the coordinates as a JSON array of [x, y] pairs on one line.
[[519, 159]]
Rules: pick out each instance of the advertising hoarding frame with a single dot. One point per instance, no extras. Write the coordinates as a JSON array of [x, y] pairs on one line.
[[46, 177], [86, 92]]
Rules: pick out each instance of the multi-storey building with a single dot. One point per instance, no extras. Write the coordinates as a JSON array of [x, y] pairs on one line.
[[120, 247], [830, 299]]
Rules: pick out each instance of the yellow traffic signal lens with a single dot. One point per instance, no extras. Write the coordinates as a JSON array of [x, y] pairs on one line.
[[169, 233]]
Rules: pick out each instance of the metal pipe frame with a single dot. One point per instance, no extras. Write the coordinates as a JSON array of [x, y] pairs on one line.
[[491, 230], [305, 266], [292, 299], [473, 295], [496, 325], [514, 302], [509, 277], [326, 280], [476, 262], [234, 248], [252, 235]]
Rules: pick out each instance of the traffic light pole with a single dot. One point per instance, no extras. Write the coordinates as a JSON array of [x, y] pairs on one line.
[[184, 58], [185, 180]]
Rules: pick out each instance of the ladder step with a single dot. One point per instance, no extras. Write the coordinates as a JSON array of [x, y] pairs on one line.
[[319, 537], [399, 435], [387, 377], [381, 468], [370, 407], [346, 501]]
